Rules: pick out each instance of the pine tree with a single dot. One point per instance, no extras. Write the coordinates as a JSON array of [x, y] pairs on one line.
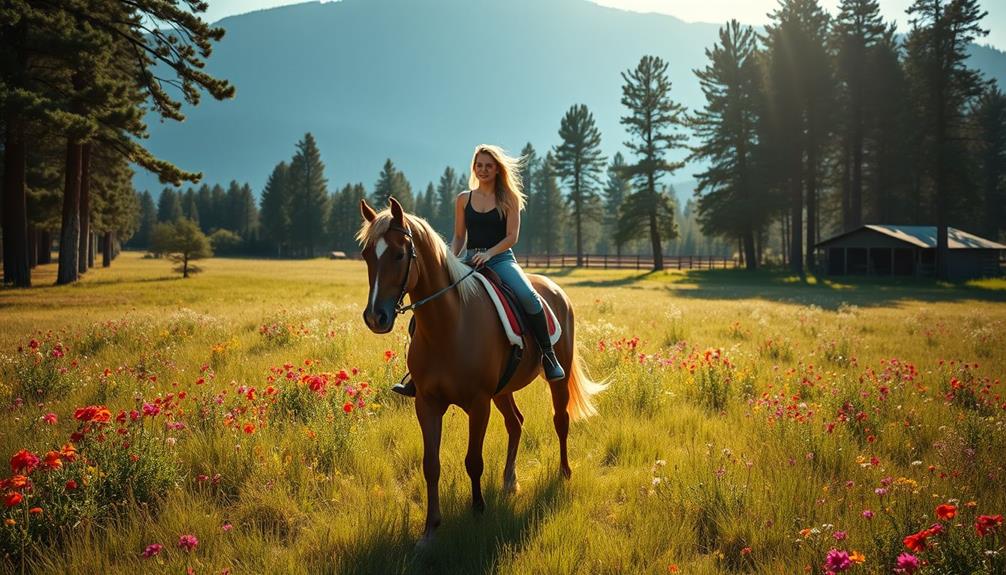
[[392, 183], [169, 206], [989, 116], [275, 209], [549, 208], [148, 219], [652, 116], [530, 226], [190, 205], [858, 30], [578, 161], [447, 193], [616, 189], [425, 206], [941, 32], [308, 194], [727, 129]]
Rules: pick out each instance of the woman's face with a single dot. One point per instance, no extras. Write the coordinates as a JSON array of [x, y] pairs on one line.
[[485, 168]]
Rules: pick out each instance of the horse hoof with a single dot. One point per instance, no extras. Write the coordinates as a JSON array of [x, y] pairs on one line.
[[511, 488], [566, 472], [424, 543]]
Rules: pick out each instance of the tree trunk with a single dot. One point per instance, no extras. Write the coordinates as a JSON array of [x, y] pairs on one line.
[[44, 247], [185, 265], [85, 209], [795, 223], [106, 250], [32, 246], [811, 201], [16, 268], [92, 250], [750, 255], [69, 237], [658, 250]]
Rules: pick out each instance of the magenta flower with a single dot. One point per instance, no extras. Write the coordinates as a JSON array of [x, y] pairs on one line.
[[907, 564], [188, 542], [49, 418], [839, 535], [868, 514], [152, 550], [836, 561]]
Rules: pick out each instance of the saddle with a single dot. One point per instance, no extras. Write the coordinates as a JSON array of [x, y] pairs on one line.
[[513, 319]]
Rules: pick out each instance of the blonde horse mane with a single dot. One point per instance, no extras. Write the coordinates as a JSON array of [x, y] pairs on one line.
[[423, 233]]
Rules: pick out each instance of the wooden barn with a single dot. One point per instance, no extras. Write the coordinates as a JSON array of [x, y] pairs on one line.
[[884, 250]]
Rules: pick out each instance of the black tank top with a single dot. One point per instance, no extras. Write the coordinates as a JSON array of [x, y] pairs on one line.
[[485, 229]]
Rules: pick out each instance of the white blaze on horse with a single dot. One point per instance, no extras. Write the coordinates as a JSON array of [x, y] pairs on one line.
[[459, 348]]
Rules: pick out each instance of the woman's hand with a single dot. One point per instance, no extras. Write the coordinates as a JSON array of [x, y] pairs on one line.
[[480, 259]]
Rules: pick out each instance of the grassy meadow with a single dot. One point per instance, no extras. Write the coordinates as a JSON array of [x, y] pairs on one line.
[[241, 422]]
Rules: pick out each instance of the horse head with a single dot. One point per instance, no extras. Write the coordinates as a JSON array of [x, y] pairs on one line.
[[390, 268]]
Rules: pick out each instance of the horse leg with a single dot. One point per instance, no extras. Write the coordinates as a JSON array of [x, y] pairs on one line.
[[513, 420], [560, 400], [431, 418], [478, 420]]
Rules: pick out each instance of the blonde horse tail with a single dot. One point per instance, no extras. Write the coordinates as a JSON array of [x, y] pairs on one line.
[[581, 389]]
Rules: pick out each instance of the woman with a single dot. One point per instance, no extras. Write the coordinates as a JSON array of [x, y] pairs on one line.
[[487, 222]]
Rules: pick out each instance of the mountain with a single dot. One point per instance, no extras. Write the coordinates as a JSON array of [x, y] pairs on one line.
[[422, 82]]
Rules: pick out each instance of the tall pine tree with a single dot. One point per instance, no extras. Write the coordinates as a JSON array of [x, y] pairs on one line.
[[579, 162], [308, 194]]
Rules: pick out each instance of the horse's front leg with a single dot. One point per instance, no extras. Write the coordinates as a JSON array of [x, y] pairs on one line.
[[431, 419], [478, 420]]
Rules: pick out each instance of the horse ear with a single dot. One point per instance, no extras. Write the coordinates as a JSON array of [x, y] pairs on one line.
[[397, 213], [366, 211]]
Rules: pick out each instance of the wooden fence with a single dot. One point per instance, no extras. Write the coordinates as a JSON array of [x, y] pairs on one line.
[[598, 261]]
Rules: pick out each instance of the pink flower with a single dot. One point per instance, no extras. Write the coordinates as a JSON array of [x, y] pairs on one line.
[[839, 535], [837, 561], [868, 514], [227, 527], [907, 564], [151, 409], [50, 418], [188, 542], [152, 550]]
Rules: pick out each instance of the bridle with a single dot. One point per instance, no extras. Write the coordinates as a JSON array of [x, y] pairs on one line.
[[411, 252]]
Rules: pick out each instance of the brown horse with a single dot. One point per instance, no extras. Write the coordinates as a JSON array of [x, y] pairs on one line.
[[459, 348]]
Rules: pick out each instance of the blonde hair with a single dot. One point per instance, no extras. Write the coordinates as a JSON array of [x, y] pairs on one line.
[[510, 197], [422, 232]]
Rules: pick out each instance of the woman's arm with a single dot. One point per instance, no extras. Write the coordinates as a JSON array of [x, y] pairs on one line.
[[460, 231], [512, 233]]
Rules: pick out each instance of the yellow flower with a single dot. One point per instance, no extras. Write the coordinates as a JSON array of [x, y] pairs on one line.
[[857, 557]]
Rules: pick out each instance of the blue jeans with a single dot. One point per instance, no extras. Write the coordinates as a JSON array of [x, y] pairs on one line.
[[506, 267]]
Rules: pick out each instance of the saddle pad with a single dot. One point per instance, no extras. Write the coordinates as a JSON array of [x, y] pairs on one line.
[[508, 316]]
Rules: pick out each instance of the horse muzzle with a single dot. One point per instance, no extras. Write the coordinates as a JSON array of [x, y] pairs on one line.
[[380, 318]]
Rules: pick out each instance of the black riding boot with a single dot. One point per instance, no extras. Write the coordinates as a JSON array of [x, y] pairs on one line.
[[406, 388], [539, 327]]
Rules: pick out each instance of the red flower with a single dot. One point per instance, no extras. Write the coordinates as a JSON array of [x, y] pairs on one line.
[[71, 485], [916, 541], [388, 355], [988, 523], [188, 542], [13, 499], [35, 511], [95, 413], [68, 452], [249, 428], [946, 512], [49, 418], [348, 407], [23, 460], [52, 460]]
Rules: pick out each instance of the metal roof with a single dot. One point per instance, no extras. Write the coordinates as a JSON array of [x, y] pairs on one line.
[[925, 237]]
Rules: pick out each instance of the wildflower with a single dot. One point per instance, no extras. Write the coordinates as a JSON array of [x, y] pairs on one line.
[[868, 514], [348, 407], [249, 428], [152, 550], [150, 409], [9, 522], [839, 535], [388, 355], [50, 418], [837, 561], [946, 512], [68, 452], [24, 460], [35, 511], [673, 568], [18, 482], [857, 557], [907, 564], [188, 542], [988, 523], [95, 413], [226, 527], [71, 485], [746, 551], [13, 499], [52, 460]]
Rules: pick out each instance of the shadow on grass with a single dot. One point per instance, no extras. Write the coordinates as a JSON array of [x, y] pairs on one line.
[[824, 291], [465, 543]]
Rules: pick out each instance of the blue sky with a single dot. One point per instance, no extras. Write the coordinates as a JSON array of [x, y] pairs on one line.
[[716, 11]]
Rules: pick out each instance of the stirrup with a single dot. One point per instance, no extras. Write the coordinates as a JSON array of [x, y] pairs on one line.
[[406, 388]]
